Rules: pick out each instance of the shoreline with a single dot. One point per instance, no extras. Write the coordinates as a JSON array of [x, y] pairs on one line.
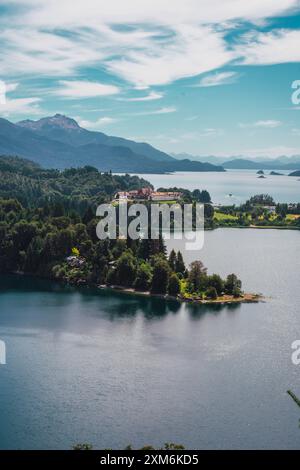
[[225, 299], [247, 298]]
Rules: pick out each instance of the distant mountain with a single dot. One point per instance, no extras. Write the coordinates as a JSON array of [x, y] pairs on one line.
[[295, 173], [68, 131], [243, 164], [59, 142], [200, 158]]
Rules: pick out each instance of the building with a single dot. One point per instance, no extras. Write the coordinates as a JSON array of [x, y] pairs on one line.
[[270, 209], [121, 195], [75, 261], [165, 196], [147, 194]]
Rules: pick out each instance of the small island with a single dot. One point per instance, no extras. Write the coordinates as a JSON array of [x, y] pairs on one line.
[[295, 173]]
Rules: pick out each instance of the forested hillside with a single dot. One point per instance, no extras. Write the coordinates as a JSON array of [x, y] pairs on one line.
[[78, 188]]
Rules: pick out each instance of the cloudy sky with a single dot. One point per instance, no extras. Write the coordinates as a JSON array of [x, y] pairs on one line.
[[199, 76]]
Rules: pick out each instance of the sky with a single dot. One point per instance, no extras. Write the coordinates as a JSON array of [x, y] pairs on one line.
[[205, 77]]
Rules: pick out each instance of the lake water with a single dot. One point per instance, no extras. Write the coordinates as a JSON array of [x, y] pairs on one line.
[[112, 369], [241, 184]]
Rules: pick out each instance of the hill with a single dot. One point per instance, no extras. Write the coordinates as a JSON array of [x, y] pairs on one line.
[[59, 142], [76, 188]]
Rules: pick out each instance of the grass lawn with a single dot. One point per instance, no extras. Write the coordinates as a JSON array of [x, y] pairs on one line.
[[220, 216]]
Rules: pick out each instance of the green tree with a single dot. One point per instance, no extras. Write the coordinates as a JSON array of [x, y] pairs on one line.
[[174, 285], [179, 265], [172, 260], [33, 255], [211, 293], [23, 233], [160, 278], [233, 285], [197, 278], [217, 282], [143, 277], [126, 269], [282, 210]]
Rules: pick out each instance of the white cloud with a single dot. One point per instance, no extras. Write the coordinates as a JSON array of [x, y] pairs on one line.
[[11, 87], [185, 52], [222, 78], [211, 132], [150, 97], [274, 47], [166, 41], [20, 106], [103, 121], [68, 12], [268, 124], [85, 89], [165, 110]]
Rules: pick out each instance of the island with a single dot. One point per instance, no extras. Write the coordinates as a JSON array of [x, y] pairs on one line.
[[295, 173]]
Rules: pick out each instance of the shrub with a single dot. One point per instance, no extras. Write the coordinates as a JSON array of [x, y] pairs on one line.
[[211, 293]]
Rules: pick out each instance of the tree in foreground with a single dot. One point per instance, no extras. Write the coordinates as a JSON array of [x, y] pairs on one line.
[[217, 282], [160, 278], [143, 277], [174, 285], [172, 260], [197, 279], [126, 269], [179, 265], [233, 285], [211, 293]]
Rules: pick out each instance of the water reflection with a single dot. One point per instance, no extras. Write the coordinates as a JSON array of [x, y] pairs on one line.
[[107, 304]]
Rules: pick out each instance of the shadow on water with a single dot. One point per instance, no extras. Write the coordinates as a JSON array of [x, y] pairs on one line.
[[132, 305], [115, 305], [197, 311]]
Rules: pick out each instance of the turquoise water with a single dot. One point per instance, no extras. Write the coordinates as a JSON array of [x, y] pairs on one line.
[[86, 365], [241, 184]]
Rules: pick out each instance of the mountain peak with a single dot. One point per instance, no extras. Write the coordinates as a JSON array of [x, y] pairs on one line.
[[58, 120]]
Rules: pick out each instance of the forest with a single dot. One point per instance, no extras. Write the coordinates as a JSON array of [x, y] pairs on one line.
[[48, 229]]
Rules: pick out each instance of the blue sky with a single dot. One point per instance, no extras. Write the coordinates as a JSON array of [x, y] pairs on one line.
[[207, 77]]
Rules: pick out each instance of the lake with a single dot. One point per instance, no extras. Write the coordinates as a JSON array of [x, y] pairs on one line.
[[93, 366], [242, 184]]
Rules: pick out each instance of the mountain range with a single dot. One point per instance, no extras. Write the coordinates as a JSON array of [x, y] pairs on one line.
[[59, 142], [242, 163]]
